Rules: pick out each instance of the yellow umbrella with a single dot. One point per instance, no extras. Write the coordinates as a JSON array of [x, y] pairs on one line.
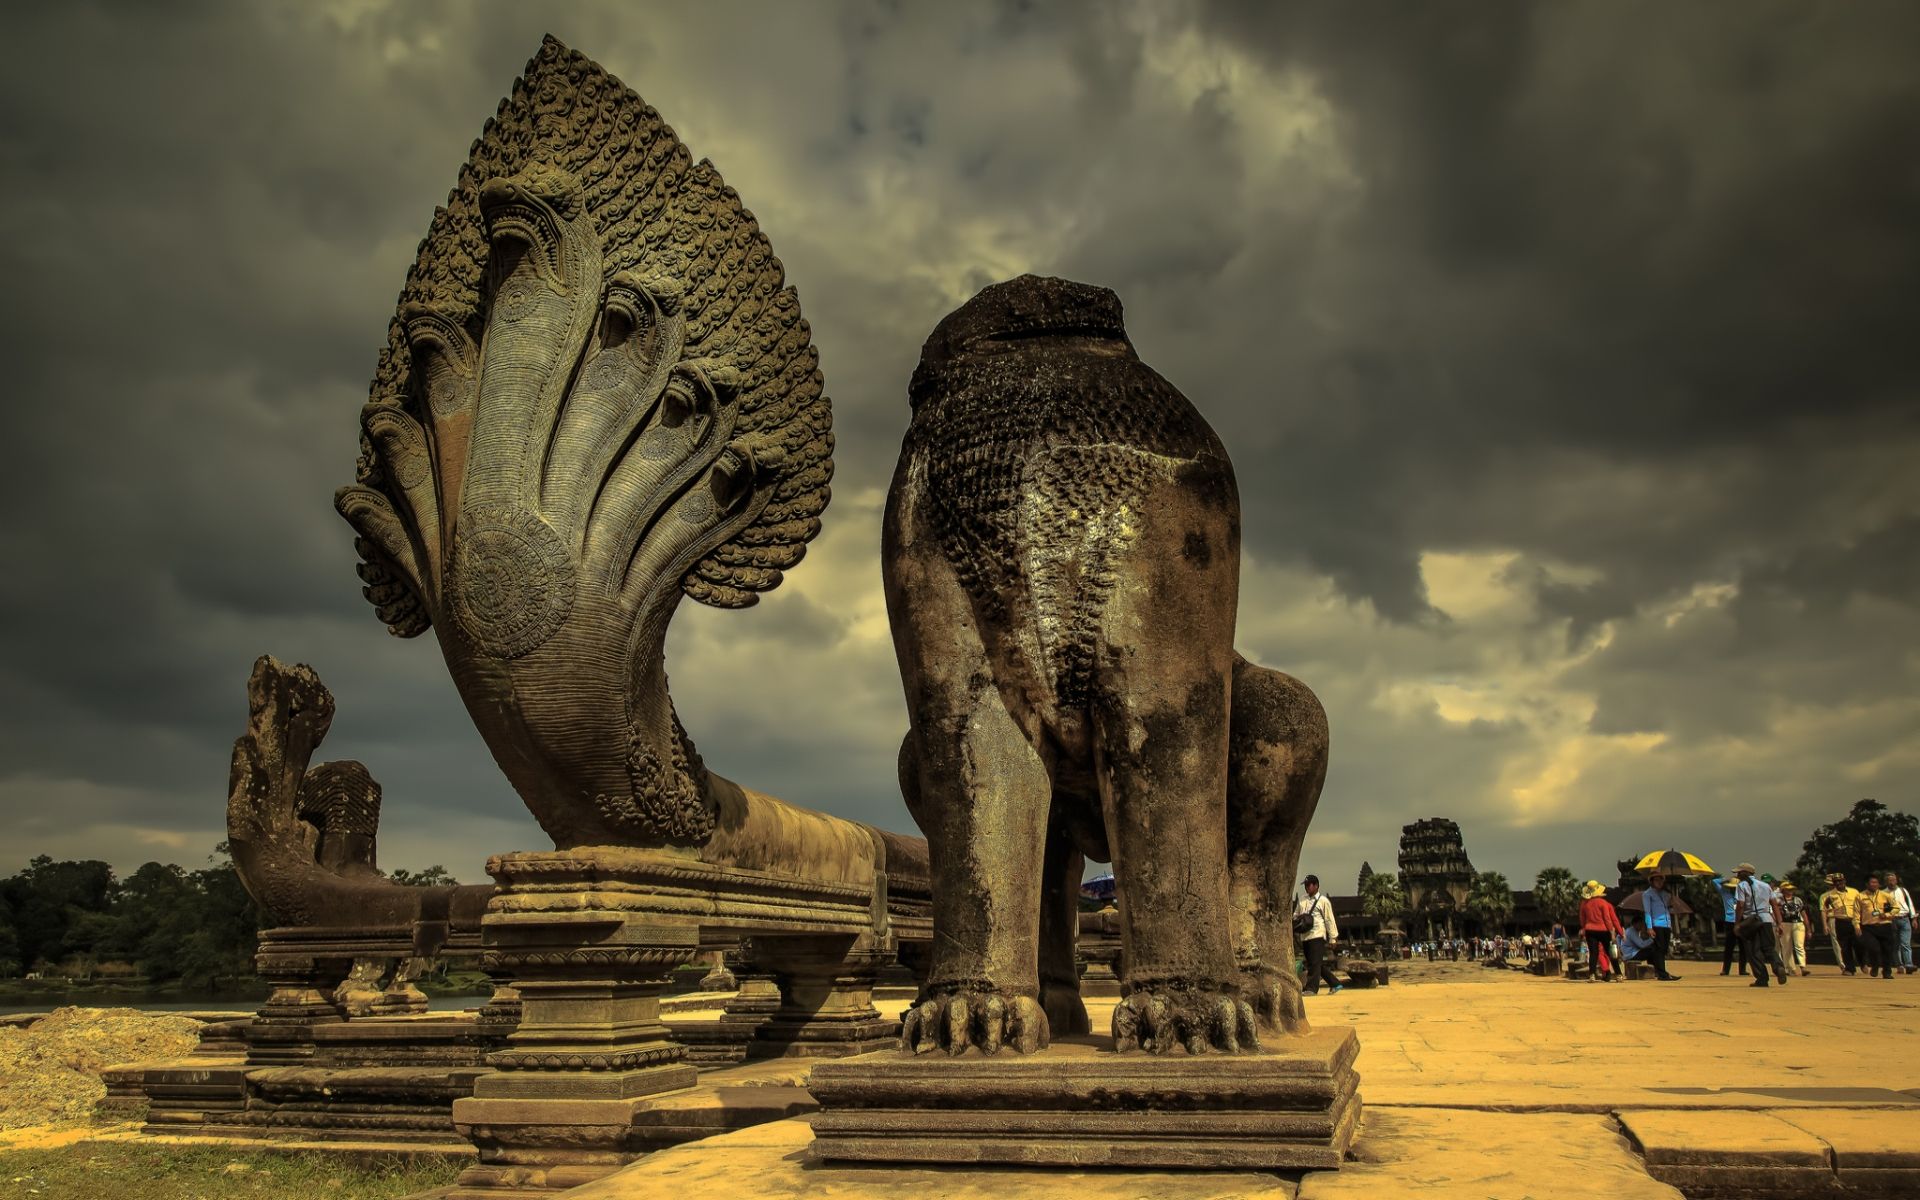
[[1672, 862]]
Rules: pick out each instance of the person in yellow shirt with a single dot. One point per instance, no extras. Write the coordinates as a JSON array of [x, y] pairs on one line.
[[1837, 905], [1874, 911]]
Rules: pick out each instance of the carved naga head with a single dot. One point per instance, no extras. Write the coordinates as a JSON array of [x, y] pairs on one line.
[[596, 396]]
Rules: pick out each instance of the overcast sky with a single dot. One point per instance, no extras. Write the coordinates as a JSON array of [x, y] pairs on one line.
[[1565, 353]]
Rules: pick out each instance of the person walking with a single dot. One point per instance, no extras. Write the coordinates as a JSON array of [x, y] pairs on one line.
[[1874, 912], [1318, 932], [1599, 925], [1657, 903], [1903, 918], [1793, 938], [1753, 910], [1733, 944], [1837, 906]]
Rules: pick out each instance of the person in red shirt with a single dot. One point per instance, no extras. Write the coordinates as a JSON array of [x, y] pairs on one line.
[[1600, 925]]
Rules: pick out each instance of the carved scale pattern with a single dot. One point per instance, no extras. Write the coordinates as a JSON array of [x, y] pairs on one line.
[[340, 797], [1032, 463], [660, 215]]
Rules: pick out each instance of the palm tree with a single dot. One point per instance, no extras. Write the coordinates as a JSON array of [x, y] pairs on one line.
[[1557, 892], [1382, 896], [1490, 899]]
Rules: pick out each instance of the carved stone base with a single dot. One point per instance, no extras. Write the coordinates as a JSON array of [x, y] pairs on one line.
[[713, 1043], [1292, 1107], [758, 997], [182, 1094], [826, 999], [1099, 980], [545, 1131], [557, 1111], [307, 966]]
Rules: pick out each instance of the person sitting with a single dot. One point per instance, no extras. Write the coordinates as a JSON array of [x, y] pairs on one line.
[[1635, 939]]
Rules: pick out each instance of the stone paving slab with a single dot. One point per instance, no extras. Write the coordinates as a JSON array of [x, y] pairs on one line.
[[1781, 1156], [1465, 1155], [1515, 1042], [1863, 1139], [1672, 1137]]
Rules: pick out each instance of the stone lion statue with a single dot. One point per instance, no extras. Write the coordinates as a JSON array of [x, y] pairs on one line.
[[1061, 557]]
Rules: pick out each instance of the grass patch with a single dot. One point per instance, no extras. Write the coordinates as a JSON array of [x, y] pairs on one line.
[[102, 1170]]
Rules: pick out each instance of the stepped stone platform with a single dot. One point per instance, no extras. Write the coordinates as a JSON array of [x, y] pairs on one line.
[[1494, 1086], [1078, 1104]]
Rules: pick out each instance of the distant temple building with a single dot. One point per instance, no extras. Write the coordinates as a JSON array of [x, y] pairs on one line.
[[1366, 873], [1435, 871]]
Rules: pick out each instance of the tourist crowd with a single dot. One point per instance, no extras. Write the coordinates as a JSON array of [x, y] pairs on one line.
[[1767, 928]]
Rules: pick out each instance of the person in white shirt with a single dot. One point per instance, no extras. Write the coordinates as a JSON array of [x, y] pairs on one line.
[[1314, 925], [1903, 919], [1753, 905]]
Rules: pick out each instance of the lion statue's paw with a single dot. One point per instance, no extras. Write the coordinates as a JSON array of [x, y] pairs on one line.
[[1204, 1018], [975, 1017], [1275, 998]]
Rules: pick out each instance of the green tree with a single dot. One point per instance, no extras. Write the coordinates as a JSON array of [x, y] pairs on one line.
[[434, 876], [1868, 840], [47, 900], [1381, 895], [1491, 900], [1557, 892], [9, 944]]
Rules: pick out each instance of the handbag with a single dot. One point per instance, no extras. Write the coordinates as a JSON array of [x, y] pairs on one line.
[[1750, 924], [1303, 922]]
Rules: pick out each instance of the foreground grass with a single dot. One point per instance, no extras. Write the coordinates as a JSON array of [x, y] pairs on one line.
[[110, 1171]]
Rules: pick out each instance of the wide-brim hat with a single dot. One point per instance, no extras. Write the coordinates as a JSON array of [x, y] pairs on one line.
[[1747, 868], [1789, 886], [1592, 888]]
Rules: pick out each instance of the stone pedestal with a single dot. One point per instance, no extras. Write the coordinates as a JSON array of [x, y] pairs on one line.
[[304, 968], [500, 1015], [1100, 978], [728, 1040], [1079, 1105], [402, 996], [558, 1109], [826, 997]]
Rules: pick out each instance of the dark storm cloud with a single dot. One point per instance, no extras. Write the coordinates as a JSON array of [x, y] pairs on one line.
[[1606, 302], [1677, 240]]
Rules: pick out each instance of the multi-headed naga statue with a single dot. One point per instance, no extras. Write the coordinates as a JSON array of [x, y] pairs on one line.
[[1062, 560], [596, 397]]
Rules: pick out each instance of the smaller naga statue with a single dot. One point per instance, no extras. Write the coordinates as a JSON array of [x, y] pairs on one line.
[[1062, 562]]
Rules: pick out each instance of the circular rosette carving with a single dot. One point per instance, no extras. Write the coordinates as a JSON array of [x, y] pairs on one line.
[[512, 583]]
